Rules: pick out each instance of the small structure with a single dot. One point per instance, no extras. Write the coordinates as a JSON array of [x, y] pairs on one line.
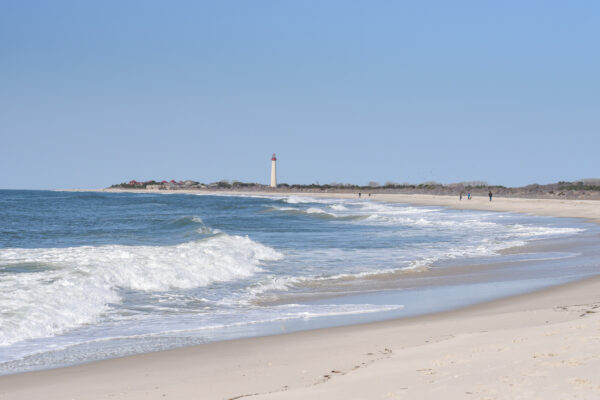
[[274, 171]]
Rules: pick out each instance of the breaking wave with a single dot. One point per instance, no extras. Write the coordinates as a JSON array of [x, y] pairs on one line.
[[319, 213], [75, 285]]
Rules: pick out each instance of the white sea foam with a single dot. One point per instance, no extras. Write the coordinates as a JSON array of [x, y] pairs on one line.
[[535, 231], [338, 207], [306, 199], [296, 200], [197, 219], [81, 282], [486, 248], [287, 209], [432, 218], [316, 210], [152, 333], [204, 229]]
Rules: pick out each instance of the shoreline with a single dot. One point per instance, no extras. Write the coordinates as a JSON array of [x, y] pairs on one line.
[[415, 356], [588, 210], [341, 362]]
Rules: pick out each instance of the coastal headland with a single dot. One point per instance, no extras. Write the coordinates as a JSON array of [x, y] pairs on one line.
[[542, 345]]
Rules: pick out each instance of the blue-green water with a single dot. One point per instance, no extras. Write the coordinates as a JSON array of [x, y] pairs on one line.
[[85, 276]]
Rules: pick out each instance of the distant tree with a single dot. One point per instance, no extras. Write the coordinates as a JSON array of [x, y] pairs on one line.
[[474, 184], [223, 184]]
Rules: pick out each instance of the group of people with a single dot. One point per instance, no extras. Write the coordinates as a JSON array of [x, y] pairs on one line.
[[460, 196], [490, 194]]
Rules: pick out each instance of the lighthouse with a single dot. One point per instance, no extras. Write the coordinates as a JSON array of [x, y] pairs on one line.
[[273, 171]]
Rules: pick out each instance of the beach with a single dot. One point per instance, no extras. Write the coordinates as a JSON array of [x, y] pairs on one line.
[[544, 344]]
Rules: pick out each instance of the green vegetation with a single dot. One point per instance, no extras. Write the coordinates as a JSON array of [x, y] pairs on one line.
[[135, 184], [578, 186]]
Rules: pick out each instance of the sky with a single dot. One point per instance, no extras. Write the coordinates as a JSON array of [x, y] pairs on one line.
[[97, 93]]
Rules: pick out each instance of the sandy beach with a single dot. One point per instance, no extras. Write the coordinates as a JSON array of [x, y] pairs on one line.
[[541, 345]]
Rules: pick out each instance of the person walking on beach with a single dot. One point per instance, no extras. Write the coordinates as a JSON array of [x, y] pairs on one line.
[[359, 194], [460, 196], [469, 196], [490, 194]]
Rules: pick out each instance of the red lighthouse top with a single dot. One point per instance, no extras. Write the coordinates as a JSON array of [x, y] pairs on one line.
[[273, 158]]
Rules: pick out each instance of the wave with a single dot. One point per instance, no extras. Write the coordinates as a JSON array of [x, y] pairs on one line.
[[338, 207], [186, 221], [192, 221], [469, 225], [274, 284], [84, 281], [401, 215], [154, 334], [317, 212], [485, 247], [537, 231], [307, 199]]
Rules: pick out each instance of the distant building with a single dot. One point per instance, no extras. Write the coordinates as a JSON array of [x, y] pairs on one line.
[[274, 171]]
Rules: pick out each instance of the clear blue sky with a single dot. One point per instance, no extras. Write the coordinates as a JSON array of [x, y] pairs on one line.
[[95, 93]]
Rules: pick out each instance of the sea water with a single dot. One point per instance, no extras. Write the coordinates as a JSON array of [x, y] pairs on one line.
[[87, 276]]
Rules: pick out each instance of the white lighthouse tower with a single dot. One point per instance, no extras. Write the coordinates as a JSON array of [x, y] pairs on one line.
[[273, 171]]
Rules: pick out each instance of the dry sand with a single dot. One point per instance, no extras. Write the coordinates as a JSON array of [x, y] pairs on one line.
[[543, 345]]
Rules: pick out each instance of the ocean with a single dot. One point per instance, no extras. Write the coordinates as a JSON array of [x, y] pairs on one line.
[[87, 276]]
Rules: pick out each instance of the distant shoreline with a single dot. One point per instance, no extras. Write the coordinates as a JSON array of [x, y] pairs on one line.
[[587, 209], [585, 189]]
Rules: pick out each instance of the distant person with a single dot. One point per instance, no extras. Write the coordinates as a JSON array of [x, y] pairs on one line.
[[469, 196], [369, 194], [460, 196], [359, 194], [490, 194]]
